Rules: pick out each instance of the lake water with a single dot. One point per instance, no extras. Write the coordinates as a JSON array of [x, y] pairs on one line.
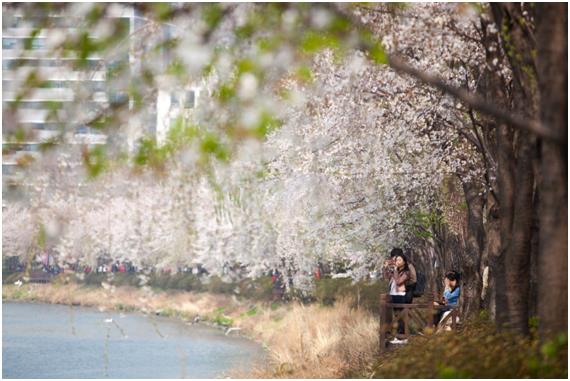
[[54, 341]]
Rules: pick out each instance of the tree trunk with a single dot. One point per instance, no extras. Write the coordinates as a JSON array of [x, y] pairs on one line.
[[517, 204], [474, 245], [552, 68], [517, 259], [490, 258], [505, 180]]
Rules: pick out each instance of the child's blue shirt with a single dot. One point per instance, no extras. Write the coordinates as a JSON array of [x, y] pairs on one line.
[[452, 297]]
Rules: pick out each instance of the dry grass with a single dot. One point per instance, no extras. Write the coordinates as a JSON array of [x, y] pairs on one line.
[[321, 342], [181, 304]]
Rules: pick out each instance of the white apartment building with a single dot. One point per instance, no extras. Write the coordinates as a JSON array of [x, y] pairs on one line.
[[62, 82]]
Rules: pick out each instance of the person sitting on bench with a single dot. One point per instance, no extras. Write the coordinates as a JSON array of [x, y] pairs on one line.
[[450, 296]]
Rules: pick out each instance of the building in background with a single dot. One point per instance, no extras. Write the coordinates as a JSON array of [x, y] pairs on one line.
[[70, 93]]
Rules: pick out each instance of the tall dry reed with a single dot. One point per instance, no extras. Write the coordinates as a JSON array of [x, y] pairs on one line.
[[322, 342]]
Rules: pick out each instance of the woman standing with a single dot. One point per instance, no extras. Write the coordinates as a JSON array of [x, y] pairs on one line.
[[398, 272]]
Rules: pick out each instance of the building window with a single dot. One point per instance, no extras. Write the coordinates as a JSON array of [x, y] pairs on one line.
[[173, 100], [9, 43], [190, 99], [38, 43]]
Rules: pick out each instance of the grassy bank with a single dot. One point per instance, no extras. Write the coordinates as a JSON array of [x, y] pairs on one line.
[[328, 339], [477, 350], [303, 341]]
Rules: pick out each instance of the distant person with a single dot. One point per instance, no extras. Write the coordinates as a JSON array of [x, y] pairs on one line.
[[451, 294], [278, 287]]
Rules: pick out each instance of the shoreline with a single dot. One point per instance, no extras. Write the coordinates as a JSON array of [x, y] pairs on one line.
[[212, 313], [301, 341], [149, 302]]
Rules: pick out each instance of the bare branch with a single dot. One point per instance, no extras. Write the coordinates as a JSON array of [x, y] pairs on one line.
[[475, 101]]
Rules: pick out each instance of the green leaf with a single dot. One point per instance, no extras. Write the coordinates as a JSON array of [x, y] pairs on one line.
[[226, 92], [313, 42], [267, 124], [252, 311], [374, 48], [212, 14], [339, 25], [245, 31], [211, 145], [268, 44], [145, 151], [377, 54], [176, 68], [305, 74], [245, 66], [42, 236], [95, 160], [28, 42], [163, 11], [95, 14]]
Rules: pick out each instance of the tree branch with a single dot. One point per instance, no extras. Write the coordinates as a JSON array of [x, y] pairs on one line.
[[475, 101]]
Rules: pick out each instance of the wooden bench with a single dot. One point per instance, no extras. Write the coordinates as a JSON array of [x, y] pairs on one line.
[[410, 312], [40, 277]]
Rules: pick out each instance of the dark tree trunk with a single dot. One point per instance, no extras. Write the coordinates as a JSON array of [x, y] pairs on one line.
[[506, 183], [474, 246], [534, 247], [517, 259], [519, 149], [490, 258], [552, 68]]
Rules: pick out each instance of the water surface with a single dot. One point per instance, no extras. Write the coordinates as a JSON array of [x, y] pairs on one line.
[[55, 341]]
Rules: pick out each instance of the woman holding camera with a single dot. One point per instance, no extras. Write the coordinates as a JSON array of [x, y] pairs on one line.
[[399, 273], [397, 270]]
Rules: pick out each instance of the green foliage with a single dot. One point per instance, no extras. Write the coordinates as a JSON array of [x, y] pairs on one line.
[[449, 372], [163, 11], [549, 363], [180, 133], [219, 318], [95, 160], [218, 286], [246, 66], [364, 293], [266, 124], [305, 74], [422, 222], [226, 92], [375, 50], [176, 68], [212, 14], [245, 31], [252, 311], [42, 236], [28, 42], [477, 350], [147, 151], [313, 42], [211, 144], [269, 44]]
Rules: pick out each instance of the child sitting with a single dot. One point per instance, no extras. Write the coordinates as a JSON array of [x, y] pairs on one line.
[[450, 295]]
